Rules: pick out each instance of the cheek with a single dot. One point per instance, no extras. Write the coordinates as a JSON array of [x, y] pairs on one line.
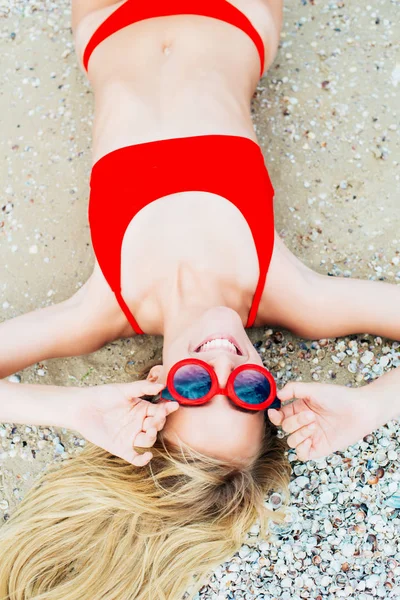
[[174, 353]]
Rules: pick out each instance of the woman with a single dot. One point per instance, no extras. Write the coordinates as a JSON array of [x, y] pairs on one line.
[[174, 156]]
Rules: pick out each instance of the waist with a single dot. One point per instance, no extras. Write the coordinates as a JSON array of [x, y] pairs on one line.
[[129, 113]]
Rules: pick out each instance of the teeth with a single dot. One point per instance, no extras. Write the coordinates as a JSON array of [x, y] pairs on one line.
[[218, 343]]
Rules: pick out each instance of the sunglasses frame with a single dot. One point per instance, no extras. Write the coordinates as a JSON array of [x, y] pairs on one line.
[[215, 387]]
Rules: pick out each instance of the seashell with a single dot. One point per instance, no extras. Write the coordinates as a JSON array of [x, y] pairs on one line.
[[299, 469], [277, 337], [348, 550], [275, 501], [367, 357], [316, 560], [381, 458], [360, 528], [380, 472], [369, 439], [326, 497], [302, 481], [328, 526], [309, 499], [373, 480], [345, 567], [14, 378], [388, 585], [371, 539], [341, 579], [360, 516]]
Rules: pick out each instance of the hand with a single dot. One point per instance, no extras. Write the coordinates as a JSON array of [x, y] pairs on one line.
[[324, 418], [114, 417]]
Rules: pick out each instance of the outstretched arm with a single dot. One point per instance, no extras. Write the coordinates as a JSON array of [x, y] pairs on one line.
[[339, 306], [79, 325], [112, 416]]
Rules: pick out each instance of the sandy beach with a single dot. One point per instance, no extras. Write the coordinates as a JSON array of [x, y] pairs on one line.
[[328, 119]]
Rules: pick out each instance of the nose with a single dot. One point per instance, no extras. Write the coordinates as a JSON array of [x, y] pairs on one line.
[[223, 366]]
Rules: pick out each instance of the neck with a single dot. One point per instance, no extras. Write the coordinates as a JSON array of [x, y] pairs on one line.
[[189, 295]]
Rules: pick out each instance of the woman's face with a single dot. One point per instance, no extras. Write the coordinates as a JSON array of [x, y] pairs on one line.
[[218, 428]]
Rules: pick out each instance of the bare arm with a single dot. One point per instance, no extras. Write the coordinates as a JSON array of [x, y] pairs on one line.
[[316, 306], [51, 405], [80, 325], [339, 306]]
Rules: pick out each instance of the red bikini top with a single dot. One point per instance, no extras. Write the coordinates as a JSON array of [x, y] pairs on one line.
[[133, 11], [127, 179]]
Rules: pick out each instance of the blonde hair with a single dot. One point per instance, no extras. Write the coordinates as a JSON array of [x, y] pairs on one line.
[[98, 528]]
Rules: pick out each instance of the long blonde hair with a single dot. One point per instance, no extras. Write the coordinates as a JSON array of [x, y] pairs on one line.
[[98, 528]]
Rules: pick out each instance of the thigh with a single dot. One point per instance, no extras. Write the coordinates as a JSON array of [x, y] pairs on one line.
[[82, 8]]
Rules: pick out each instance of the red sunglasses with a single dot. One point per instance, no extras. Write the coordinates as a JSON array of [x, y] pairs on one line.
[[193, 381]]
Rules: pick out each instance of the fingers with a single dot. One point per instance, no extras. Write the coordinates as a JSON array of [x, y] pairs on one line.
[[293, 423], [139, 460], [303, 450], [300, 435], [157, 414], [296, 389], [146, 439], [152, 425], [136, 389]]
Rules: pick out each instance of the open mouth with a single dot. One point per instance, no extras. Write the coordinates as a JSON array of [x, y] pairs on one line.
[[216, 343]]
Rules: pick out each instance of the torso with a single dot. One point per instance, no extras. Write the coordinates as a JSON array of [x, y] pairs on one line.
[[147, 87]]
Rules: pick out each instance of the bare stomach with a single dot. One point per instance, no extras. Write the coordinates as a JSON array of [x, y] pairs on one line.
[[171, 77]]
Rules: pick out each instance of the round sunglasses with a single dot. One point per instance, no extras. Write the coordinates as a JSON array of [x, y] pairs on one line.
[[193, 381]]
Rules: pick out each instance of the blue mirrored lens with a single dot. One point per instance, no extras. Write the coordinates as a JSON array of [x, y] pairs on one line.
[[252, 387], [192, 382]]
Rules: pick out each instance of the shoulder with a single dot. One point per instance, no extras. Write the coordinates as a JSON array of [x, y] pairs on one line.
[[288, 291], [87, 16], [97, 302]]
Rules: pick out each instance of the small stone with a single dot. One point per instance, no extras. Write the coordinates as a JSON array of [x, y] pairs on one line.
[[33, 249]]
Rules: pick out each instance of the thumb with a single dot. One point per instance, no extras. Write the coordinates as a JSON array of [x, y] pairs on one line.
[[296, 389]]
